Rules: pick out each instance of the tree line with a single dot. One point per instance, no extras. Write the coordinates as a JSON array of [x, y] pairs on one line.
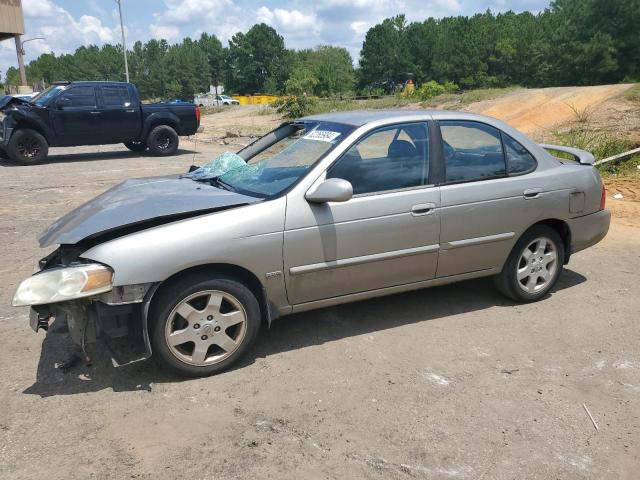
[[573, 42]]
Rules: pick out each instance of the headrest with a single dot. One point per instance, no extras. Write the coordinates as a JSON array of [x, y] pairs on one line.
[[402, 149]]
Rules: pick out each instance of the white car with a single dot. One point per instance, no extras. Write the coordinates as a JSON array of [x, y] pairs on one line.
[[210, 100]]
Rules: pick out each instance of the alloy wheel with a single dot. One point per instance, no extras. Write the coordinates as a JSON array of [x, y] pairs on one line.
[[206, 327], [537, 265], [29, 147], [163, 142]]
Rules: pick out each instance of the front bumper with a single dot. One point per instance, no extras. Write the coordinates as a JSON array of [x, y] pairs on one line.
[[5, 134], [589, 229], [112, 318]]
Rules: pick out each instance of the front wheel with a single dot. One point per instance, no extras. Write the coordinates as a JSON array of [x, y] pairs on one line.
[[134, 146], [27, 147], [534, 265], [201, 326], [163, 140]]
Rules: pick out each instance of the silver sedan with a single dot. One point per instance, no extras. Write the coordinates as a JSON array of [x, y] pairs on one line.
[[324, 210]]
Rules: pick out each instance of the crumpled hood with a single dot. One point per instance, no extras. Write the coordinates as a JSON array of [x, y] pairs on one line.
[[136, 201], [8, 99]]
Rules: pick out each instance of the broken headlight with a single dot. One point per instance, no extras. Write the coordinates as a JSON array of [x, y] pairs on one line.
[[61, 284]]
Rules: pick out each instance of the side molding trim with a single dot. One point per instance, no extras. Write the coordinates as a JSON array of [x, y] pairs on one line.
[[478, 240], [376, 257]]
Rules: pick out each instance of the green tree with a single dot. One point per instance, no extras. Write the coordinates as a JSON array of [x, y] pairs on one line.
[[257, 61], [384, 52], [323, 71]]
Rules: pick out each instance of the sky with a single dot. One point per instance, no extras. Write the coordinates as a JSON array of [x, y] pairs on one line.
[[68, 24]]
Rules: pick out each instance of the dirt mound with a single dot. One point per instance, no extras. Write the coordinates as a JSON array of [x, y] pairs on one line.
[[539, 109]]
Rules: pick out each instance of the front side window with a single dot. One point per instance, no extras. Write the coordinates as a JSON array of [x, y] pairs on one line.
[[294, 148], [115, 96], [389, 158], [519, 160], [43, 97], [81, 97], [472, 151]]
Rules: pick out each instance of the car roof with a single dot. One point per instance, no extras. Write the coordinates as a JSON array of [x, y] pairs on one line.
[[358, 118]]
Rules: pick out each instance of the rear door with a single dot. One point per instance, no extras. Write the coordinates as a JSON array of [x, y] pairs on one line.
[[76, 118], [386, 235], [487, 202], [121, 116]]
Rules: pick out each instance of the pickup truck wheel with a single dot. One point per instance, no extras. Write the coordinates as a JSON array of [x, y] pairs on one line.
[[27, 147], [534, 265], [200, 326], [163, 140], [136, 146]]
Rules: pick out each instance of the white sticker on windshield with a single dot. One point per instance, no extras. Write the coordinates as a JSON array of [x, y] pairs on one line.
[[322, 135]]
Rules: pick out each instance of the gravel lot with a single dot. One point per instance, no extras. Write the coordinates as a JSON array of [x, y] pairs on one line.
[[451, 382]]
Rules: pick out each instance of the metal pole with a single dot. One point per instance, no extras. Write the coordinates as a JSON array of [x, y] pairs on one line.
[[23, 74], [124, 44]]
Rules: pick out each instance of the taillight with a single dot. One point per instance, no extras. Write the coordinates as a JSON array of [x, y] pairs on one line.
[[198, 115], [603, 198]]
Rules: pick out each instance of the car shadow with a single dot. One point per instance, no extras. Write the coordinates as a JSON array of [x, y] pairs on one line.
[[288, 333], [92, 156]]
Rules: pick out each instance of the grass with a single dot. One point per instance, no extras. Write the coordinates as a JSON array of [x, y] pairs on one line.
[[482, 94], [633, 94], [602, 145], [451, 101]]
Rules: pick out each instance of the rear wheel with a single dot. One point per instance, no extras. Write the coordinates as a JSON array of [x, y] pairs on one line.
[[201, 326], [534, 265], [136, 146], [163, 140], [27, 147]]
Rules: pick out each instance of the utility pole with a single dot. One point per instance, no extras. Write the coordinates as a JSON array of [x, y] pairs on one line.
[[20, 52], [124, 43]]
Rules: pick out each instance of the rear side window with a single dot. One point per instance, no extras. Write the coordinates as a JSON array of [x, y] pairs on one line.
[[116, 96], [81, 96], [519, 160], [472, 151]]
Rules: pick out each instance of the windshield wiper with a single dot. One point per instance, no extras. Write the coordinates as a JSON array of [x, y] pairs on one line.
[[224, 185]]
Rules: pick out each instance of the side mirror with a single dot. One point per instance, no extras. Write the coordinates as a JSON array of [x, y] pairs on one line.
[[331, 190], [62, 102]]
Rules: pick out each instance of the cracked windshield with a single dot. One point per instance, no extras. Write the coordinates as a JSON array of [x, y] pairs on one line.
[[272, 170]]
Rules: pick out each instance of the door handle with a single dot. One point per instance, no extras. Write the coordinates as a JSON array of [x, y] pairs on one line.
[[96, 113], [423, 209], [131, 111], [532, 193]]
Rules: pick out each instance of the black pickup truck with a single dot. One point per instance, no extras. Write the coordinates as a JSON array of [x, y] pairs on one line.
[[91, 113]]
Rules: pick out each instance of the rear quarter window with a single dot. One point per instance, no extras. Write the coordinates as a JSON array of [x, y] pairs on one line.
[[519, 160]]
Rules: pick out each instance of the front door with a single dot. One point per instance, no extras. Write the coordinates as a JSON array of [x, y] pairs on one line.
[[386, 235], [76, 118]]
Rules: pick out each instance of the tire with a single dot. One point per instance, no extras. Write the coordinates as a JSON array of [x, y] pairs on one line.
[[138, 147], [529, 277], [163, 140], [196, 315], [27, 147]]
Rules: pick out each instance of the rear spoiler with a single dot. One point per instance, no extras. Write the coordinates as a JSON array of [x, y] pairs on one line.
[[582, 156]]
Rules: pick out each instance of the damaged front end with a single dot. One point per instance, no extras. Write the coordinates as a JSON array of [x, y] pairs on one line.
[[80, 293]]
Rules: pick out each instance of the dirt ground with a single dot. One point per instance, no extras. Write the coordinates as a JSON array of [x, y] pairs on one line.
[[452, 382], [538, 110]]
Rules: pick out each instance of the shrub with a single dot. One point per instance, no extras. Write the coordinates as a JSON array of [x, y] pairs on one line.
[[294, 106], [429, 90]]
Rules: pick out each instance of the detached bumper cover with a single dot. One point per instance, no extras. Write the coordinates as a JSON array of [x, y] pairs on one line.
[[589, 229]]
